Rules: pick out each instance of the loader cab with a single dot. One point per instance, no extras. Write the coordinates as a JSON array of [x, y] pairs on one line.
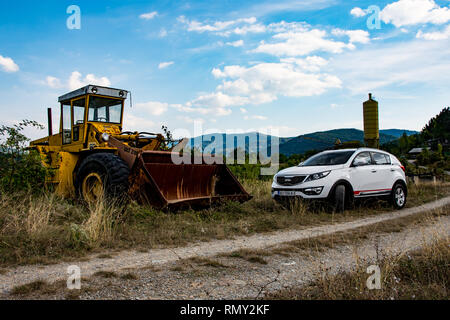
[[97, 106]]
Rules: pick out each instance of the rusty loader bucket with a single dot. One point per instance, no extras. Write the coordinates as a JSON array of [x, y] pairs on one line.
[[157, 181]]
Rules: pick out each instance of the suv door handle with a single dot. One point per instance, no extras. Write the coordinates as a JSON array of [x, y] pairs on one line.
[[373, 170], [392, 170]]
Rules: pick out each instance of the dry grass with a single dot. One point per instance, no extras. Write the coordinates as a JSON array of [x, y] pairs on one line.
[[101, 226], [46, 228], [28, 288], [129, 276], [43, 229], [40, 289], [422, 274], [208, 262], [250, 255], [105, 274]]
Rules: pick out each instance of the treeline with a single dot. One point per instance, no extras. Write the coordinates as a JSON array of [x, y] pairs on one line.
[[433, 139]]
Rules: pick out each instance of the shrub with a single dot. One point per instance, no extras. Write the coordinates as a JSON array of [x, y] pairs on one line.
[[19, 168]]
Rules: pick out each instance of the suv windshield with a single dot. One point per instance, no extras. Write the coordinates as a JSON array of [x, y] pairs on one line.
[[328, 159], [105, 109]]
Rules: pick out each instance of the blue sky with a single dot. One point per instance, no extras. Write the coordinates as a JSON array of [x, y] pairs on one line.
[[289, 66]]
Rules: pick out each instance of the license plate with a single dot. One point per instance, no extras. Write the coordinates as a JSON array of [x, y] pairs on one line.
[[288, 193]]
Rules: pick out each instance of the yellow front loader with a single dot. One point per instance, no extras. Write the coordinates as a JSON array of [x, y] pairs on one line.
[[91, 158]]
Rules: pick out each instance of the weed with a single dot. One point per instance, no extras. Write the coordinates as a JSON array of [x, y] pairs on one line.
[[28, 288], [421, 274], [129, 276], [105, 274]]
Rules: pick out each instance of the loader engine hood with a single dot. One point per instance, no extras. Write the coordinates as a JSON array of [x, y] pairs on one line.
[[109, 128]]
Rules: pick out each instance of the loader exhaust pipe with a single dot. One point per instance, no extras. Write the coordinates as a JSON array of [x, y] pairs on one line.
[[49, 115]]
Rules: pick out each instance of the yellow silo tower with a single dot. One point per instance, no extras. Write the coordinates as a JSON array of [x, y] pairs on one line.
[[371, 128]]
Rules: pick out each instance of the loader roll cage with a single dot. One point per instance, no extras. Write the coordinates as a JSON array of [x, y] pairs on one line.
[[90, 104]]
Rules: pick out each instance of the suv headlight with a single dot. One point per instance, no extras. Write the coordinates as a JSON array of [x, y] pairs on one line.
[[317, 176]]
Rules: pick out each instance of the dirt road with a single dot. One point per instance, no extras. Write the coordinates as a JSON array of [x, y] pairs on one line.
[[161, 258]]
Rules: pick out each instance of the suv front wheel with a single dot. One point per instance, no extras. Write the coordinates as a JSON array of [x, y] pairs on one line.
[[339, 198], [398, 196]]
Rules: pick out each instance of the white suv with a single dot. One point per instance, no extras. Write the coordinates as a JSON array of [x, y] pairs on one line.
[[342, 175]]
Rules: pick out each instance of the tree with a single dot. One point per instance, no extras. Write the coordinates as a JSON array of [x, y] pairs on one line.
[[403, 143], [168, 141], [438, 127], [424, 157], [19, 168]]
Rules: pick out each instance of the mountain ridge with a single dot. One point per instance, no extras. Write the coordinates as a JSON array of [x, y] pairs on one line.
[[293, 145]]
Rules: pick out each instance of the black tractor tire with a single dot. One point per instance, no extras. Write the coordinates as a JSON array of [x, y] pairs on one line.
[[108, 168], [398, 196], [340, 198]]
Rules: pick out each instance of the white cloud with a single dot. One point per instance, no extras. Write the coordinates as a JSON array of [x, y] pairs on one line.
[[188, 119], [149, 15], [358, 12], [238, 43], [224, 28], [188, 108], [76, 81], [219, 100], [264, 82], [355, 36], [163, 65], [283, 26], [412, 12], [254, 28], [153, 107], [256, 117], [53, 82], [394, 64], [135, 123], [204, 105], [437, 35], [8, 65], [311, 63], [303, 41], [243, 110], [162, 33]]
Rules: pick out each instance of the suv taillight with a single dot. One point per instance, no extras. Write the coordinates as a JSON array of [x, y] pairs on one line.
[[403, 168]]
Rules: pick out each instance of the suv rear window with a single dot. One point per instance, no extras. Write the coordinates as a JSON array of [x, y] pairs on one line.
[[328, 158], [380, 158]]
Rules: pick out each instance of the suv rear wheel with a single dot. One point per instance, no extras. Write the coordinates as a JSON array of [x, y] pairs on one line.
[[398, 196]]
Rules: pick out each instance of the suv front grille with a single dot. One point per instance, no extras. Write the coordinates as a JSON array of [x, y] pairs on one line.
[[290, 180]]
